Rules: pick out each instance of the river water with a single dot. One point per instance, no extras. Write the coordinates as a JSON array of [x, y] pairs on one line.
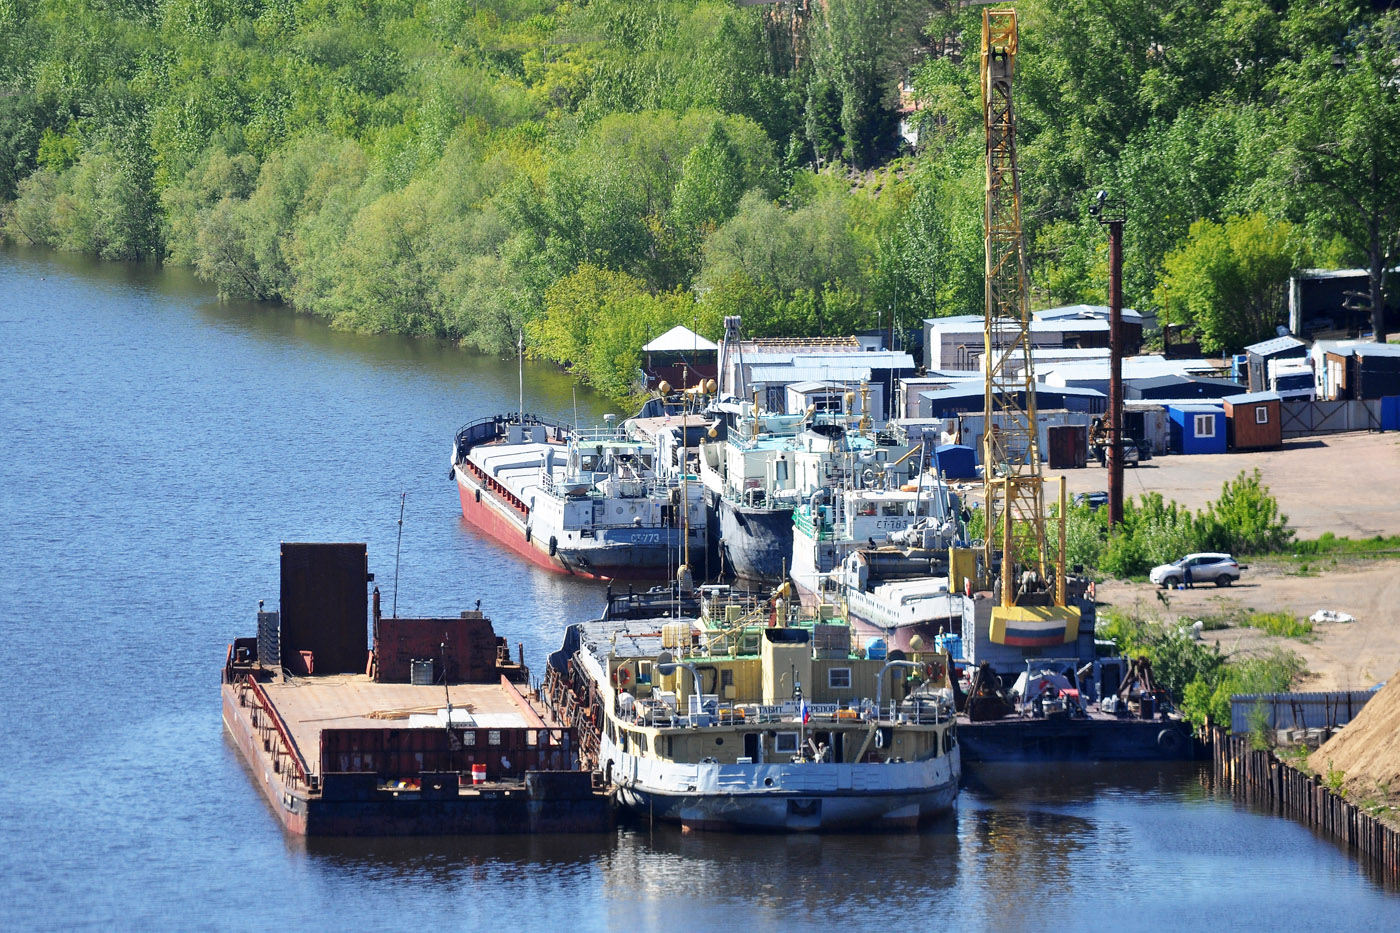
[[159, 444]]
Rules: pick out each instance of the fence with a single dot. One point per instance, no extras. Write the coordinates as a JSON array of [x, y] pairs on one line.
[[1258, 778], [1296, 710], [402, 753], [1301, 418]]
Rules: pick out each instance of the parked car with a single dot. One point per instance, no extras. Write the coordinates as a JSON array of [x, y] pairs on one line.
[[1220, 569], [1131, 453], [1095, 500]]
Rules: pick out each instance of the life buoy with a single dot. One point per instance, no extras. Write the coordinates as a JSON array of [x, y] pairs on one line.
[[933, 670], [622, 676]]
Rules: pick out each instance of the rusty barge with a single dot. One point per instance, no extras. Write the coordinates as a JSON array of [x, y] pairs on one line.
[[432, 729]]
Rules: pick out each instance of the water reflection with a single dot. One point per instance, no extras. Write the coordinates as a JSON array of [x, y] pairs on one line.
[[161, 443]]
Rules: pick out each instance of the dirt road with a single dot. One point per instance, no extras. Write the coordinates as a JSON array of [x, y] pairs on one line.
[[1339, 656], [1348, 484]]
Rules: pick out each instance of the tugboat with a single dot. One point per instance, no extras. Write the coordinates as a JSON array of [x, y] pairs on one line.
[[583, 503], [759, 715]]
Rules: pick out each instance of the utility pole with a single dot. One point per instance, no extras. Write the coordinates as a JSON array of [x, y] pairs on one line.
[[1114, 222]]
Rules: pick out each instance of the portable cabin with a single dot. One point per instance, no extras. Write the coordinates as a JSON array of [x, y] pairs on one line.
[[1197, 428], [1259, 355], [1254, 421]]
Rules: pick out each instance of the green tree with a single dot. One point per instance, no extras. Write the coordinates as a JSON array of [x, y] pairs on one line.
[[1341, 131], [1230, 280]]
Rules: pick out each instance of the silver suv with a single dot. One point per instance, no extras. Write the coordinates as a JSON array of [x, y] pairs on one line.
[[1220, 569]]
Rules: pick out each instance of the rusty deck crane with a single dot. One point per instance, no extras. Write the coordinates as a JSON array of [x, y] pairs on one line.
[[1029, 607]]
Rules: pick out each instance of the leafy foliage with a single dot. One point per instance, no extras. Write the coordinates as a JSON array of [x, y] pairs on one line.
[[1198, 676], [438, 167], [1244, 520]]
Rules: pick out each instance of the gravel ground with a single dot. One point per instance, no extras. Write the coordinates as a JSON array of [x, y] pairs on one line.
[[1348, 484], [1338, 655]]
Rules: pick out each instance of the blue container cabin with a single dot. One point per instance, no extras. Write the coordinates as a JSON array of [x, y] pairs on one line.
[[1197, 428]]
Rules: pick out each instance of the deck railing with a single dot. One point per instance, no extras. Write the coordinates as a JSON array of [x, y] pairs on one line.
[[277, 741]]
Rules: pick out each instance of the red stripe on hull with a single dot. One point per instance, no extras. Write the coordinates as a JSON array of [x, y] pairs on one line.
[[483, 516]]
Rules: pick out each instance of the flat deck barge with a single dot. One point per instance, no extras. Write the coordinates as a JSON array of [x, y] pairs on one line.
[[437, 733]]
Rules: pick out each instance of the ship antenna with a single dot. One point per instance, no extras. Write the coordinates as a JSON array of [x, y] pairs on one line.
[[520, 365], [398, 549]]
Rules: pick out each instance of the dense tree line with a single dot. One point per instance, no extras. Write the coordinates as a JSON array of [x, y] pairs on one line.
[[593, 172]]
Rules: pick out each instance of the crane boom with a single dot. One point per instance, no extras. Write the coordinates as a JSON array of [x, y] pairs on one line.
[[1012, 481]]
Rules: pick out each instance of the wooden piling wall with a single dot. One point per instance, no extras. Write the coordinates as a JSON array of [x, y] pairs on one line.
[[1261, 779]]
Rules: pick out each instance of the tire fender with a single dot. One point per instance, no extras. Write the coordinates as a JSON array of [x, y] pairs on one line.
[[1171, 741]]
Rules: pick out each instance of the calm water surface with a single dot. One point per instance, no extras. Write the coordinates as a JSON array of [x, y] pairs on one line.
[[159, 444]]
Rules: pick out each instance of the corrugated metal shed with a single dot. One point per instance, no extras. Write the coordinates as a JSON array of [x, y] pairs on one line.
[[1297, 710]]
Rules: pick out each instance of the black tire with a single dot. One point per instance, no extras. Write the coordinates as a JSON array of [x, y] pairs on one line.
[[553, 545], [1171, 742], [1224, 580], [1170, 582]]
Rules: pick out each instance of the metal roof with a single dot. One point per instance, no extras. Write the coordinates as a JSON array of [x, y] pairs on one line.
[[1195, 405], [969, 324], [1165, 379], [812, 386], [976, 387], [875, 359], [1274, 345], [1084, 311], [1376, 349], [809, 372], [1247, 397], [679, 339]]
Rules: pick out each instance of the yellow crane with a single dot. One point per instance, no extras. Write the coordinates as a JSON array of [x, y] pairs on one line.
[[1029, 608]]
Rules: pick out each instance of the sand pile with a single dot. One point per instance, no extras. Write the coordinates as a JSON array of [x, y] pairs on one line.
[[1367, 751]]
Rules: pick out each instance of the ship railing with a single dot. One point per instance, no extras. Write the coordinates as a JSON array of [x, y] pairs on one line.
[[494, 427], [277, 740]]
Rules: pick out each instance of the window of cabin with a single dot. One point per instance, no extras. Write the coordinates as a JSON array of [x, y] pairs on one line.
[[838, 678], [1261, 414], [1205, 425]]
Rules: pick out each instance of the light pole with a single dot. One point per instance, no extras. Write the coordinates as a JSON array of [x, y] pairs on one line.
[[1111, 216]]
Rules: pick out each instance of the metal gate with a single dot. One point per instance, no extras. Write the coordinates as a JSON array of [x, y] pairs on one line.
[[1302, 418]]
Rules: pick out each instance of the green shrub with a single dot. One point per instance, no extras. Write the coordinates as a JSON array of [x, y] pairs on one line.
[[1279, 624]]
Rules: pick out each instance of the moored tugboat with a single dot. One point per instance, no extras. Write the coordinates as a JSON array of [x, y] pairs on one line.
[[759, 716]]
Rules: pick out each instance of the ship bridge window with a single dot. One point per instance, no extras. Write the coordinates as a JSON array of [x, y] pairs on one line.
[[890, 508], [785, 743], [839, 678]]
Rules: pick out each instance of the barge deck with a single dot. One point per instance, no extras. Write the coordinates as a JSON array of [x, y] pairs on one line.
[[439, 735]]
